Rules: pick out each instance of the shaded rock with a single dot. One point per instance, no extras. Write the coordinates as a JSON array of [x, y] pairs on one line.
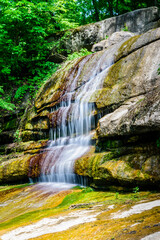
[[25, 146], [6, 137], [100, 46], [9, 124], [33, 135], [56, 58]]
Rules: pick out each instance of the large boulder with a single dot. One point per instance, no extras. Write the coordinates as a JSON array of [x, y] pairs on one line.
[[137, 168], [132, 86], [138, 21], [137, 115], [116, 37]]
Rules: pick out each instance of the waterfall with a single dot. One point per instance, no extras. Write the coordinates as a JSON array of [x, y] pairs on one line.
[[73, 120]]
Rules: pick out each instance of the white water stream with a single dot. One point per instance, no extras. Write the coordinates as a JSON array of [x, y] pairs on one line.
[[70, 139]]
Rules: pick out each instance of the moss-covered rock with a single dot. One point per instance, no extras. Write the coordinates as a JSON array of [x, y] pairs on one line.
[[34, 135], [25, 146], [132, 76], [137, 42], [21, 161], [107, 168], [15, 170]]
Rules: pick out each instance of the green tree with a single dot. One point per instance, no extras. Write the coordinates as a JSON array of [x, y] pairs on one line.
[[95, 10], [3, 104], [24, 28]]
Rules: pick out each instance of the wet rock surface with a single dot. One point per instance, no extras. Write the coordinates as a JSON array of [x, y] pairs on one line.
[[40, 211]]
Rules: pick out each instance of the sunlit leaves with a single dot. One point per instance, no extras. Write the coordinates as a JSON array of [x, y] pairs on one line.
[[24, 26], [3, 103]]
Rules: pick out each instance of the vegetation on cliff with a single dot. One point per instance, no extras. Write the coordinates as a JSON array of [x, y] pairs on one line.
[[25, 27]]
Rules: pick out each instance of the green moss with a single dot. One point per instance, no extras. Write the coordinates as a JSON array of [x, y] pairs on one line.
[[22, 219], [126, 47], [9, 187], [133, 139], [108, 145], [89, 195], [70, 199], [108, 156], [33, 135], [113, 75], [11, 124]]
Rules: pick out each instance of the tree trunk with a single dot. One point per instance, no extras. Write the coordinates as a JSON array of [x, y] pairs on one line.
[[155, 2], [96, 10], [110, 7], [117, 10]]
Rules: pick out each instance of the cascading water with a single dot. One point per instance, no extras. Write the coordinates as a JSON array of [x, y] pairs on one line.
[[71, 132]]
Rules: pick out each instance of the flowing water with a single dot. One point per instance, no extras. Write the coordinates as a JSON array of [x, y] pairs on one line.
[[71, 132]]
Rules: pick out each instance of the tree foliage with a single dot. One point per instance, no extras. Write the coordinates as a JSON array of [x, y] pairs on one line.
[[3, 104], [81, 53], [26, 25], [95, 10]]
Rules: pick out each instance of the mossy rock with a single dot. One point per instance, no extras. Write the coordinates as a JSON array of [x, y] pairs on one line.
[[15, 170], [11, 124], [25, 146], [33, 135], [109, 168]]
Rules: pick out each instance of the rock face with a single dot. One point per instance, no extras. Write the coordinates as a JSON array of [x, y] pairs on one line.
[[127, 101], [132, 130], [116, 37], [20, 161], [138, 21]]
